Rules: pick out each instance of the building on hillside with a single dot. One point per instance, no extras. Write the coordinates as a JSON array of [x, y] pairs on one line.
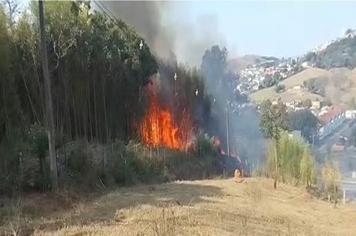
[[316, 105], [330, 120], [350, 114], [307, 64]]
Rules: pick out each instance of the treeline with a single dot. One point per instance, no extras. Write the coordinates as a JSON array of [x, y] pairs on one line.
[[98, 68], [290, 159], [341, 53]]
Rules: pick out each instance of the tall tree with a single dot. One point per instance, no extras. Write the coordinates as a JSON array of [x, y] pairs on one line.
[[49, 105], [273, 121]]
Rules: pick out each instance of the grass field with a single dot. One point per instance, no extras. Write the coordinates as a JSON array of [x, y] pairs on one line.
[[207, 207]]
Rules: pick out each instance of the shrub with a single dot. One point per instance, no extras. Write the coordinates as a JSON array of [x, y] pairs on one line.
[[331, 177], [280, 88], [296, 164], [307, 173]]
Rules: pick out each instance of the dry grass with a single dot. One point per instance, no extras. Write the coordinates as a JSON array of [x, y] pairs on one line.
[[208, 207], [289, 95], [340, 87]]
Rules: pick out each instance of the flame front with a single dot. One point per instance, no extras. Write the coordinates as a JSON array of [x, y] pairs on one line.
[[158, 128]]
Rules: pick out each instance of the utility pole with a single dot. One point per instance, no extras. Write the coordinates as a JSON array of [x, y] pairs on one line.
[[227, 131], [48, 98]]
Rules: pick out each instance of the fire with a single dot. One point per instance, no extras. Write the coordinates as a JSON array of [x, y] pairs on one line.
[[159, 128]]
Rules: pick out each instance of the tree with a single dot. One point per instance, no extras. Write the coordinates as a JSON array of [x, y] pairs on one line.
[[13, 10], [273, 121], [213, 67], [48, 98], [295, 161], [305, 121], [315, 85]]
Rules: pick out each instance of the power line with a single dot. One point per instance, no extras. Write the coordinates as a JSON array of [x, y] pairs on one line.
[[105, 10]]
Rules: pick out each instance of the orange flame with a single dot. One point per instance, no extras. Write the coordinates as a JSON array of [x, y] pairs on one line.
[[158, 128]]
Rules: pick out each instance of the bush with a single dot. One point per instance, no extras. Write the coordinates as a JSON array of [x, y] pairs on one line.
[[23, 164], [88, 165], [280, 88], [331, 177], [307, 173], [295, 165]]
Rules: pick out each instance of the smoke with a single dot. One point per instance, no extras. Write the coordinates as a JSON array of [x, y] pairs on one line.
[[195, 39], [247, 139], [173, 34], [146, 18], [167, 30]]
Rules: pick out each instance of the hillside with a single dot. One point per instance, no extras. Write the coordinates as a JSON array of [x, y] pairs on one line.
[[240, 63], [207, 207], [339, 85], [291, 94], [338, 53]]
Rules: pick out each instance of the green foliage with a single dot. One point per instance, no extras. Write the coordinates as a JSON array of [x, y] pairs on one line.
[[305, 121], [307, 172], [214, 64], [38, 140], [315, 85], [269, 81], [98, 70], [295, 164], [280, 88], [341, 53], [273, 119]]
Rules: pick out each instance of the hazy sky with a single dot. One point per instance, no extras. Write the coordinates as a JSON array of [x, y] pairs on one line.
[[279, 28], [276, 28]]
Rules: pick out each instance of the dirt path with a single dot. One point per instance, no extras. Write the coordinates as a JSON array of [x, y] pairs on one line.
[[208, 207]]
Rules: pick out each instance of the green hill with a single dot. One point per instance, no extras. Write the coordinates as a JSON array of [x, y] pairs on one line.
[[340, 53]]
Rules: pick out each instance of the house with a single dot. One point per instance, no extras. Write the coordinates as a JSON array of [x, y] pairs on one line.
[[306, 64], [330, 120], [316, 105], [350, 114]]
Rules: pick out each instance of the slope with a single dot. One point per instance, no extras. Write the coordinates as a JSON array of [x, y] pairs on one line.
[[207, 207], [291, 94]]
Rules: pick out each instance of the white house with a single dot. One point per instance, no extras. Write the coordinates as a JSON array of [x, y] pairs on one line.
[[350, 114]]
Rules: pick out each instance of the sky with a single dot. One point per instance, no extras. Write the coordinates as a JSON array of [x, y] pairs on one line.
[[271, 28], [274, 28]]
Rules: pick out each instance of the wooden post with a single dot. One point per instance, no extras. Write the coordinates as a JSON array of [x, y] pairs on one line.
[[344, 197]]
